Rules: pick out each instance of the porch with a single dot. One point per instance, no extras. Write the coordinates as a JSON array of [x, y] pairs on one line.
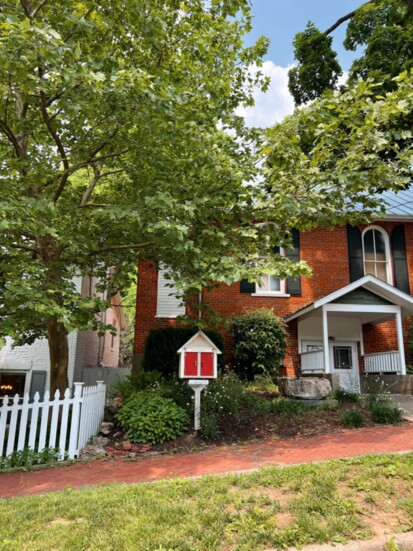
[[331, 332], [312, 362]]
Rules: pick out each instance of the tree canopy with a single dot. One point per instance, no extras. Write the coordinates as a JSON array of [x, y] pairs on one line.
[[383, 29], [117, 138]]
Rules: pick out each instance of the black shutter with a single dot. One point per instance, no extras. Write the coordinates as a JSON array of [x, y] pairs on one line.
[[355, 253], [37, 384], [247, 287], [398, 247], [293, 286]]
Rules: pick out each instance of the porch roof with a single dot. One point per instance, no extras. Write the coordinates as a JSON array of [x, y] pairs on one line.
[[387, 293]]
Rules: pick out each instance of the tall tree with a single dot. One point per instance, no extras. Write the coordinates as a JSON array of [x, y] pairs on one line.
[[382, 28], [114, 142]]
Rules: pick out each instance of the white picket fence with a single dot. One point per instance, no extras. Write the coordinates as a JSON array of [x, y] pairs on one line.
[[66, 424]]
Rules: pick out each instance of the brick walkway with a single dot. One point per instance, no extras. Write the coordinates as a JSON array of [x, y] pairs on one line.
[[212, 461]]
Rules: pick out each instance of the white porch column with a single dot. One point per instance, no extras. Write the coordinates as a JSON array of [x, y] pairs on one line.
[[325, 342], [400, 342]]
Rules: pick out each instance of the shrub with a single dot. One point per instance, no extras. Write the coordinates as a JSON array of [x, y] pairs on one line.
[[260, 342], [162, 344], [180, 392], [136, 383], [384, 411], [151, 419], [353, 419], [344, 396], [288, 407], [227, 397]]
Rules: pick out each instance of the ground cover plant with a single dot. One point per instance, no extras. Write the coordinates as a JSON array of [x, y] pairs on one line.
[[334, 502]]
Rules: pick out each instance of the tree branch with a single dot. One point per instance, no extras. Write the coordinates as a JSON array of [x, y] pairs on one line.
[[7, 131], [343, 19], [57, 141], [38, 8], [97, 172]]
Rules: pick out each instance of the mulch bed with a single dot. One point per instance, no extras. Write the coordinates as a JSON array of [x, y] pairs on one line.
[[272, 426]]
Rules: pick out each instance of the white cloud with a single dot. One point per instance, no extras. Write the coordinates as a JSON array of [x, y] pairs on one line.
[[273, 105]]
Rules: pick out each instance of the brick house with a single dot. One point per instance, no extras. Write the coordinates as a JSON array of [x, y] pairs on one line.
[[351, 317]]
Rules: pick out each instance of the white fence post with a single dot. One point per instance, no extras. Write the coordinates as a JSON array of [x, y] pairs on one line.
[[19, 420], [74, 427]]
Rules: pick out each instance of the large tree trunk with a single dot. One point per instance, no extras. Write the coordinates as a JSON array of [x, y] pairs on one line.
[[59, 355]]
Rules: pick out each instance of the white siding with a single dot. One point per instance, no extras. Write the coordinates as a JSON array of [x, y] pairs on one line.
[[167, 305]]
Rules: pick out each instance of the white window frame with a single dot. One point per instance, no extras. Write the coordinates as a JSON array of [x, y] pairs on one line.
[[264, 291], [389, 269], [175, 306]]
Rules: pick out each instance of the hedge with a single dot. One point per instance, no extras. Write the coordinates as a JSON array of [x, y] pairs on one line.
[[162, 344]]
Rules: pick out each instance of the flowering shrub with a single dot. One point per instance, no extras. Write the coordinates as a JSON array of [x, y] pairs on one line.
[[260, 342], [227, 397]]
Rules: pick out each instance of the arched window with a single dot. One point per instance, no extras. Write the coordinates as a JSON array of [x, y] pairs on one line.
[[376, 253]]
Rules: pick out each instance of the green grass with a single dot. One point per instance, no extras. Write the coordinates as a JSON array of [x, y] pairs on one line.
[[276, 507]]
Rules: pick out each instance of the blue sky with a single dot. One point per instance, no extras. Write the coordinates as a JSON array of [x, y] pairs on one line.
[[280, 20]]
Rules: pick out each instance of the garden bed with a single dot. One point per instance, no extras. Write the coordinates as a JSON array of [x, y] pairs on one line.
[[259, 415]]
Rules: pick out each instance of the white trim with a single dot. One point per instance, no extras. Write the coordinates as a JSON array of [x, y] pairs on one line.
[[400, 342], [371, 283], [325, 342], [269, 294], [364, 308], [187, 346], [389, 267]]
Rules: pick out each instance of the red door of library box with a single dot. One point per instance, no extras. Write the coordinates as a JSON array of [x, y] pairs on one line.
[[199, 364]]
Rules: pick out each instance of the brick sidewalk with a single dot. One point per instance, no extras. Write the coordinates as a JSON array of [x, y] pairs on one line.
[[212, 461]]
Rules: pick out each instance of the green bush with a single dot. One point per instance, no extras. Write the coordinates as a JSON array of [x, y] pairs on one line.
[[149, 418], [353, 419], [136, 383], [260, 343], [162, 344], [288, 407], [227, 397], [384, 411], [180, 392], [346, 397]]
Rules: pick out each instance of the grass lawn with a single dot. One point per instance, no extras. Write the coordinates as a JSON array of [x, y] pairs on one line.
[[333, 501]]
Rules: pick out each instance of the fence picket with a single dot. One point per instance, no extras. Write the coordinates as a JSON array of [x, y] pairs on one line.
[[55, 419], [13, 425], [23, 422], [3, 422], [45, 419], [63, 424], [33, 421], [70, 421]]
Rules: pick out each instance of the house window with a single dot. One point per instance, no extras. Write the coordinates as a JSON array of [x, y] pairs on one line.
[[271, 284], [376, 253], [168, 305], [12, 383]]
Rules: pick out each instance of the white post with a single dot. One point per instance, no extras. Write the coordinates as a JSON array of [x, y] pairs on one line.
[[325, 342], [197, 386], [74, 426], [400, 342]]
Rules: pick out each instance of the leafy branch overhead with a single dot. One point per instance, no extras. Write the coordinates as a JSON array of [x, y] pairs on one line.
[[383, 28]]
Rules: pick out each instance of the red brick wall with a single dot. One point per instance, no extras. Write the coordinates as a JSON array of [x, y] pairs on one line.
[[325, 251]]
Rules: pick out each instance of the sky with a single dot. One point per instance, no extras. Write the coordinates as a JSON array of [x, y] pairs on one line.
[[280, 20]]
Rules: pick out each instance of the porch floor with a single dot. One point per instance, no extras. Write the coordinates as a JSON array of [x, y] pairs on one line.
[[220, 460]]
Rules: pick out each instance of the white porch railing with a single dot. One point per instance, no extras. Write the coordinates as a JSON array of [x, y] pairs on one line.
[[312, 361], [383, 362], [66, 424]]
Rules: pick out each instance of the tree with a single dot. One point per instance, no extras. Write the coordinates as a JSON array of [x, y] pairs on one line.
[[383, 28], [334, 158], [117, 138]]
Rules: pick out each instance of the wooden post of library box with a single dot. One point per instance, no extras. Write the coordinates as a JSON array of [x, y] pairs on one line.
[[198, 362]]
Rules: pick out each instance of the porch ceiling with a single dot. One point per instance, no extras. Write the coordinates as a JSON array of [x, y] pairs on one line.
[[367, 313]]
